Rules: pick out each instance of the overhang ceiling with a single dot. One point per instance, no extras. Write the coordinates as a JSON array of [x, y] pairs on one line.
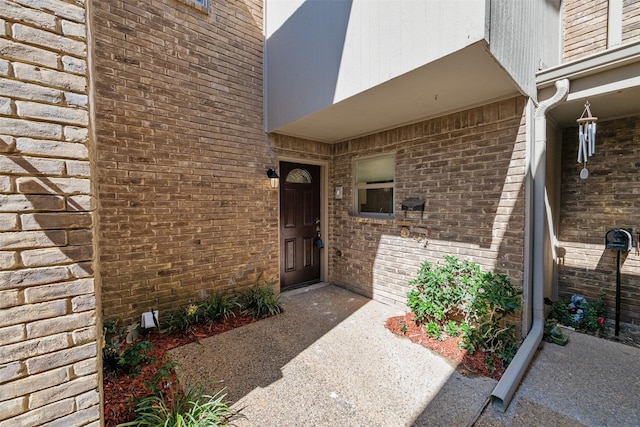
[[610, 81], [464, 79]]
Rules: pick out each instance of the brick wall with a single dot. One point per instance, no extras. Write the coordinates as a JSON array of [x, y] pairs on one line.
[[630, 21], [469, 167], [185, 209], [606, 200], [584, 28], [48, 365]]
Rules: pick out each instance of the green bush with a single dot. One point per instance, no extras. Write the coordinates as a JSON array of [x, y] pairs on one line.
[[190, 408], [219, 307], [260, 301], [433, 330], [182, 319], [458, 298], [130, 360], [591, 320], [452, 328]]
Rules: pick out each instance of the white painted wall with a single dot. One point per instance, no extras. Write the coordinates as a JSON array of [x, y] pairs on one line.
[[525, 37], [319, 52]]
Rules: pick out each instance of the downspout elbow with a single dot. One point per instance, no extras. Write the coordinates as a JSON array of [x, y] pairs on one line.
[[507, 386]]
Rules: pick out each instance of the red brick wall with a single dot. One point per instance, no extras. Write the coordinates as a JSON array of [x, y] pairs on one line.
[[469, 167], [607, 199], [185, 207]]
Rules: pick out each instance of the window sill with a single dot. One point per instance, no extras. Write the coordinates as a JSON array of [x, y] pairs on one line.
[[373, 218], [204, 8]]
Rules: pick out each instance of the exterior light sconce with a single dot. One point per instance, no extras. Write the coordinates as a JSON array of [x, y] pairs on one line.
[[273, 177]]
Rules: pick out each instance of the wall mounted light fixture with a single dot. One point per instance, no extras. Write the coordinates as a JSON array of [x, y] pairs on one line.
[[273, 177]]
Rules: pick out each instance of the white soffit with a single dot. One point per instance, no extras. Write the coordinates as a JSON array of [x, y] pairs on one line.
[[464, 79], [610, 81]]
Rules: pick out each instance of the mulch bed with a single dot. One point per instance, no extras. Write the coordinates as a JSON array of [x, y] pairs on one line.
[[122, 390], [466, 363]]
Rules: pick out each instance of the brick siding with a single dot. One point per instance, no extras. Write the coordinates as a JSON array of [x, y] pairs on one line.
[[584, 24], [630, 21], [607, 199], [48, 340], [469, 168], [186, 209]]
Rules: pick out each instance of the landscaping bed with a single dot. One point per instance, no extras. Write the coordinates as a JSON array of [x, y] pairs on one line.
[[123, 389], [465, 362], [139, 380]]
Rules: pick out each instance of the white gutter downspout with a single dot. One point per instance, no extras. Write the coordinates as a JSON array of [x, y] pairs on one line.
[[506, 387]]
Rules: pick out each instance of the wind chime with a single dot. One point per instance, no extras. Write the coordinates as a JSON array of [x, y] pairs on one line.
[[586, 138]]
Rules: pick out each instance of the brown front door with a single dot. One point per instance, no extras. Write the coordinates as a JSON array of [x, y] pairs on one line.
[[299, 224]]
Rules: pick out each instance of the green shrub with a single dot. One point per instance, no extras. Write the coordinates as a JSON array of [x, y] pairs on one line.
[[219, 307], [458, 298], [452, 328], [182, 319], [129, 360], [190, 408], [433, 330], [591, 320], [260, 301]]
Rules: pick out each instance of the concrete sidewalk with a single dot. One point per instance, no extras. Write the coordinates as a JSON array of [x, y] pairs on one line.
[[328, 360]]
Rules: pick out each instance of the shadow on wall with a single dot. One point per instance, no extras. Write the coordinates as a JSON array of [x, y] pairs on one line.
[[590, 207], [318, 28], [474, 194], [590, 281], [55, 213], [183, 210]]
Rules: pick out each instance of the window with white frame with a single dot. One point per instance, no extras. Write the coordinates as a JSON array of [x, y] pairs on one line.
[[201, 5], [374, 184]]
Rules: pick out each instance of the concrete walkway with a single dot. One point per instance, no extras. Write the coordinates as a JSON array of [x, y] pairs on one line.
[[329, 361]]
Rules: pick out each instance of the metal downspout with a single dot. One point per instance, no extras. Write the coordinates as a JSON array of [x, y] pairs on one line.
[[506, 387]]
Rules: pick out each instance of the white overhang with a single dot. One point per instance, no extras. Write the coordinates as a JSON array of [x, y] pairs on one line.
[[610, 81], [464, 79]]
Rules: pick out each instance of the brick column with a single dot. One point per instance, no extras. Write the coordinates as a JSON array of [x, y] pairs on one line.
[[48, 339]]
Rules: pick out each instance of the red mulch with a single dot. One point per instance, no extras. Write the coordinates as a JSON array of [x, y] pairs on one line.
[[467, 364], [121, 391]]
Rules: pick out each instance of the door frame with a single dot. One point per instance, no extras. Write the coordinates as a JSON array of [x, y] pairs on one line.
[[324, 214]]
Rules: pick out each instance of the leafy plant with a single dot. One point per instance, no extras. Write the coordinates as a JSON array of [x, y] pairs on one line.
[[219, 307], [582, 315], [403, 328], [189, 408], [490, 363], [438, 293], [136, 355], [128, 360], [452, 328], [182, 319], [433, 330], [112, 330], [111, 358], [458, 299], [260, 301], [161, 378]]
